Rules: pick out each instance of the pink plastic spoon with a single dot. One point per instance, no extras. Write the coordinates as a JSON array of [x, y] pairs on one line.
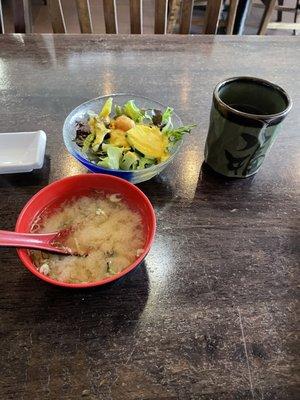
[[43, 241]]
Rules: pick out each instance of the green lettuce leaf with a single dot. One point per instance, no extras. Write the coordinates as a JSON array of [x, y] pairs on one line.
[[113, 158], [104, 163], [87, 142], [166, 120], [145, 162], [133, 112], [118, 110], [101, 131], [129, 161], [177, 134], [166, 115], [106, 146]]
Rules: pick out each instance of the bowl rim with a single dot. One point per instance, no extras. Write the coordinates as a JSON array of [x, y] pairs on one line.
[[23, 254], [81, 158]]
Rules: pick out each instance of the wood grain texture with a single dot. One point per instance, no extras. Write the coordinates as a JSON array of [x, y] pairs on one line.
[[57, 16], [84, 16], [174, 15], [186, 16], [269, 8], [136, 16], [212, 313], [110, 16], [233, 5], [283, 25], [212, 16], [161, 14]]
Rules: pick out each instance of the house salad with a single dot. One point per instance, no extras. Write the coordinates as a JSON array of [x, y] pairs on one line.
[[127, 137]]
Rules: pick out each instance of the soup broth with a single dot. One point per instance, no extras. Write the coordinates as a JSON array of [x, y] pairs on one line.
[[103, 228]]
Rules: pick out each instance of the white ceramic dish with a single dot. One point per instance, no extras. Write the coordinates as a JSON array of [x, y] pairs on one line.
[[22, 151]]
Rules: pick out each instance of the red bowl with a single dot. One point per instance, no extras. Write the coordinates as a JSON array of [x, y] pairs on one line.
[[57, 192]]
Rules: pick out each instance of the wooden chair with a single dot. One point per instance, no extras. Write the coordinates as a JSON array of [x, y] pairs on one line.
[[110, 16], [211, 21], [186, 16], [212, 17], [136, 18], [21, 16], [270, 6], [58, 20]]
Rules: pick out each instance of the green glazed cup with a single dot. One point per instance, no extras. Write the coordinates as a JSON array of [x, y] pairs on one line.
[[245, 118]]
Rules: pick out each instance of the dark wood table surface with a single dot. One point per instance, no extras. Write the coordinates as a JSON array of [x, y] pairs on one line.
[[212, 312]]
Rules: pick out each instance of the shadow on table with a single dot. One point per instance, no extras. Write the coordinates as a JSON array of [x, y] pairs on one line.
[[157, 189], [38, 177], [229, 194], [209, 177], [110, 308]]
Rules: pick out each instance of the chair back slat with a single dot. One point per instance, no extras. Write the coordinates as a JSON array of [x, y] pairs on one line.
[[231, 16], [1, 19], [57, 16], [136, 16], [28, 15], [84, 16], [170, 16], [19, 16], [174, 15], [212, 16], [161, 13], [269, 8], [186, 16], [22, 18], [110, 16]]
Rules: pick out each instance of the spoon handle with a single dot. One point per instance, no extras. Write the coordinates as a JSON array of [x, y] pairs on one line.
[[27, 240]]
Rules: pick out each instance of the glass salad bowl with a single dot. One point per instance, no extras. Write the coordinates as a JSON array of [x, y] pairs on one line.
[[80, 114]]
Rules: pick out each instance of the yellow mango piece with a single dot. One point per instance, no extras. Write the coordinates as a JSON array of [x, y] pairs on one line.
[[106, 109], [118, 138], [148, 140]]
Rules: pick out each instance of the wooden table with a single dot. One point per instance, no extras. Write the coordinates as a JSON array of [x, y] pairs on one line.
[[211, 313]]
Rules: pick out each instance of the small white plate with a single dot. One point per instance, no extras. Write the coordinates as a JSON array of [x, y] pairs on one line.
[[22, 151]]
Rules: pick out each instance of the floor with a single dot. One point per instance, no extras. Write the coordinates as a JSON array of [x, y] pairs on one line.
[[255, 16], [42, 24]]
